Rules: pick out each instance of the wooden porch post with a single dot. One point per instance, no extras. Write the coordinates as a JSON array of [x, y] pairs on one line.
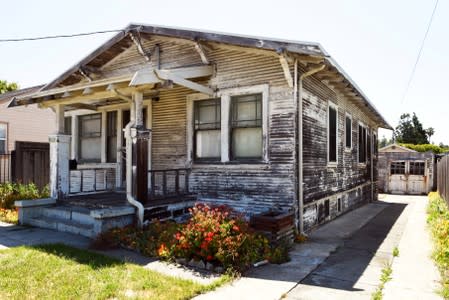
[[140, 136]]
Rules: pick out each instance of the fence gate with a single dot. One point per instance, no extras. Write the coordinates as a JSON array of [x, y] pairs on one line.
[[31, 163]]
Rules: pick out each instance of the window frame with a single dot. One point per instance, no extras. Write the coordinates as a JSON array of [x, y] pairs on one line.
[[79, 137], [348, 116], [205, 159], [335, 107], [232, 127], [6, 138], [364, 129], [396, 162], [225, 96], [417, 162]]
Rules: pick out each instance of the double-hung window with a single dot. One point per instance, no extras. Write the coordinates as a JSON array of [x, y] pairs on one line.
[[348, 132], [332, 134], [90, 138], [207, 129], [362, 144], [3, 138], [246, 127]]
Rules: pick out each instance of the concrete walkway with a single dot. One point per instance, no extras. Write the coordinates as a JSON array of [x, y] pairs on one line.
[[275, 281], [414, 274]]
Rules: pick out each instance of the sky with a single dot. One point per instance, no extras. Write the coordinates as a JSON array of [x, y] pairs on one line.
[[376, 42]]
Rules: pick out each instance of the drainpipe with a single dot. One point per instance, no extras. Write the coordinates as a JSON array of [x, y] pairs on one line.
[[129, 183], [300, 142]]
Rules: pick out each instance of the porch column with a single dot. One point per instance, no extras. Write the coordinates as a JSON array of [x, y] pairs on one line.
[[59, 158], [140, 136]]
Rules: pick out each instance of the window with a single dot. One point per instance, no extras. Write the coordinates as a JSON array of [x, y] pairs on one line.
[[246, 127], [348, 132], [368, 147], [417, 168], [332, 134], [3, 138], [90, 138], [111, 136], [207, 125], [375, 145], [362, 144], [397, 167]]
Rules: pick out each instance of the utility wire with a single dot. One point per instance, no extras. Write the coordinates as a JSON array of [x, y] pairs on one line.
[[59, 36], [419, 53]]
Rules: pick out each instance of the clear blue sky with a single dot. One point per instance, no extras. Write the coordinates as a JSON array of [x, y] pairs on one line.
[[375, 42]]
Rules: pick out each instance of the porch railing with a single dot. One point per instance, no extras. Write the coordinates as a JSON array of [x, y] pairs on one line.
[[169, 183], [5, 168], [92, 180]]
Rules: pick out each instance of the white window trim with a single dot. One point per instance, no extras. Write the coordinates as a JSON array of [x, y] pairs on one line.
[[334, 106], [348, 149], [6, 138], [225, 96]]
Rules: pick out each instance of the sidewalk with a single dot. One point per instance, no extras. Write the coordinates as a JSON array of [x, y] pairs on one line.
[[414, 274], [274, 281]]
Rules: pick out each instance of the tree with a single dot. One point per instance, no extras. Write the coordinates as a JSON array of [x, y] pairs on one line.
[[7, 86], [385, 142], [430, 131], [411, 131]]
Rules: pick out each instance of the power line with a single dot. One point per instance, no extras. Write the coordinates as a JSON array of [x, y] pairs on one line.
[[419, 53], [59, 36]]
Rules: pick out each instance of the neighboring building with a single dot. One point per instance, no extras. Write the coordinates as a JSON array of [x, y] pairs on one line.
[[253, 123], [405, 171], [21, 124], [28, 123]]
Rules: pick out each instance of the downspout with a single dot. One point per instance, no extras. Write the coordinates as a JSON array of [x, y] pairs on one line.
[[300, 143], [129, 162]]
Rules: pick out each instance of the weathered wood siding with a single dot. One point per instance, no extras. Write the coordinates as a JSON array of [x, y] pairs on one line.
[[348, 182]]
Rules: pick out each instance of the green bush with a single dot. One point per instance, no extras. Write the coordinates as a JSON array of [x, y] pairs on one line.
[[426, 148], [438, 220], [10, 192]]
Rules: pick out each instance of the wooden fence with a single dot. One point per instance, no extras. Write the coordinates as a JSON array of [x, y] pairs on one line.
[[443, 178], [31, 163]]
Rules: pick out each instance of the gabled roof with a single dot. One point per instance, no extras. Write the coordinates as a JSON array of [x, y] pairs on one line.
[[122, 41], [395, 148]]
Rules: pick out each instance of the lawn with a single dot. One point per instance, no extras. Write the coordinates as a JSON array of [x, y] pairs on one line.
[[60, 272]]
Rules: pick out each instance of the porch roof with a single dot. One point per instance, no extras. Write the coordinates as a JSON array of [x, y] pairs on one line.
[[310, 55]]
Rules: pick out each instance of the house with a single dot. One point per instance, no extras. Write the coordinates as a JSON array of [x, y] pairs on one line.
[[406, 171], [173, 115], [21, 124]]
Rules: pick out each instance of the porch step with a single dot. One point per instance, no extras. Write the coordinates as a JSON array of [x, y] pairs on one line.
[[62, 224], [78, 215]]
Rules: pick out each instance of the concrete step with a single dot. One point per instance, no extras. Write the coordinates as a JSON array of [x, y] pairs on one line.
[[61, 224], [66, 213]]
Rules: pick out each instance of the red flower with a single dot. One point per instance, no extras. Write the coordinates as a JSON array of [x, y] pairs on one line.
[[209, 257]]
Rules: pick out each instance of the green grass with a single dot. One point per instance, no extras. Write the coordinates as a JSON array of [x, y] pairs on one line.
[[438, 221], [60, 272], [384, 278], [395, 252]]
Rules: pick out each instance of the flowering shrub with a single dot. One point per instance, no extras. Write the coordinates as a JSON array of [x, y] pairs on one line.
[[9, 215], [147, 241], [10, 192], [219, 235]]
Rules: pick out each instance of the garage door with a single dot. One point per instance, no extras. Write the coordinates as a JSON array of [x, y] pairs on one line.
[[407, 177]]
